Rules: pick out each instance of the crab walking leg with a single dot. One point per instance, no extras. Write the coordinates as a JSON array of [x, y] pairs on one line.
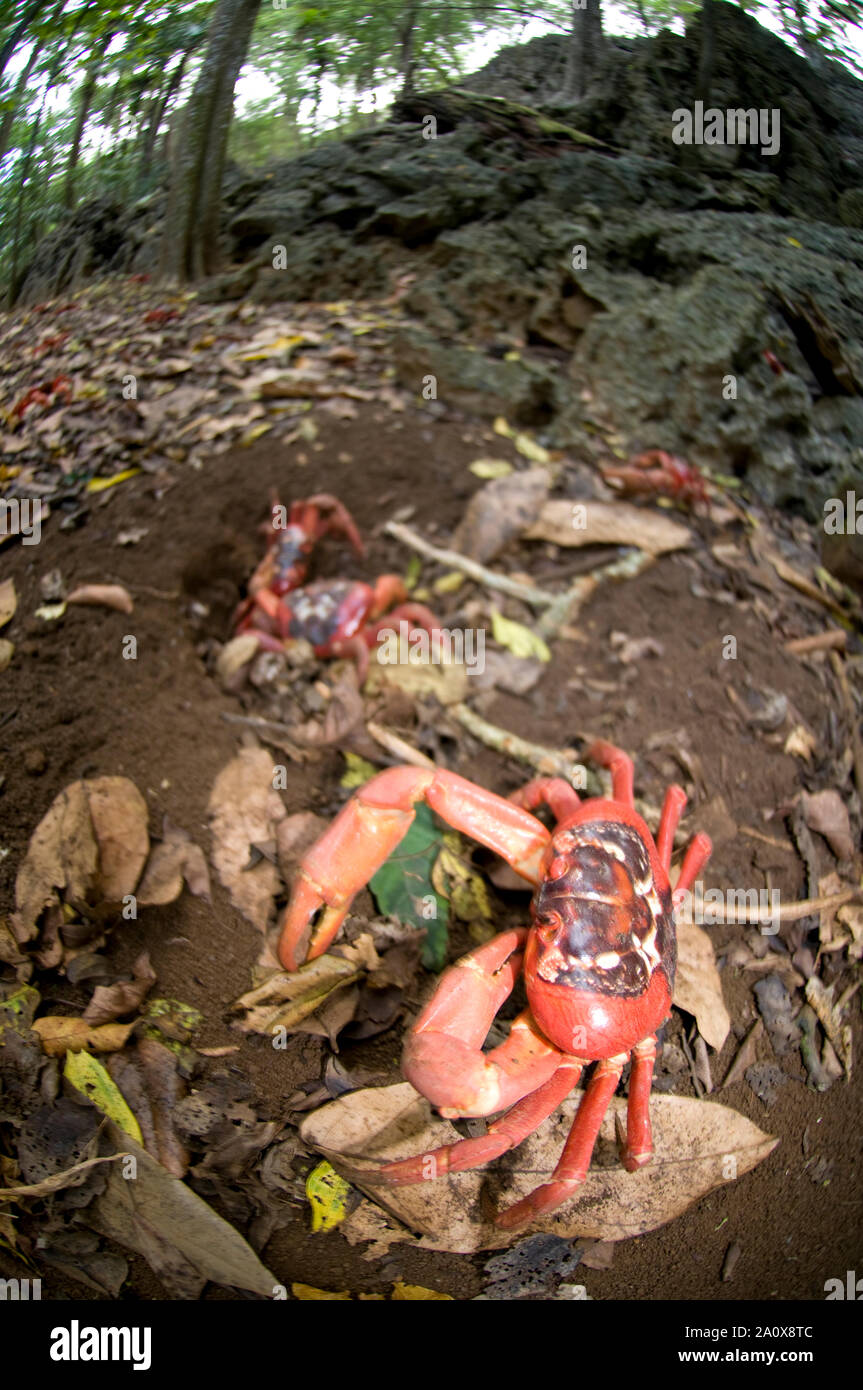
[[672, 810], [571, 1171], [368, 829], [697, 854], [639, 1140], [619, 765], [504, 1134], [337, 522], [553, 792]]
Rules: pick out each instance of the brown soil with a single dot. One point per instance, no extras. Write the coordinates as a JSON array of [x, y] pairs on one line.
[[71, 695]]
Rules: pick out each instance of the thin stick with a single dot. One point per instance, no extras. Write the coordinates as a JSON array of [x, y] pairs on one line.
[[848, 702], [398, 747], [551, 762], [528, 593], [833, 637], [791, 912]]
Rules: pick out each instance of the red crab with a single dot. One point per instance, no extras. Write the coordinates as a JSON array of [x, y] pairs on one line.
[[658, 472], [598, 960], [337, 616], [46, 394]]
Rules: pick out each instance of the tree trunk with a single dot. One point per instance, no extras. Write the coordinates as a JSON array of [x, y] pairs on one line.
[[162, 103], [704, 78], [584, 49], [18, 33], [407, 58], [20, 87], [190, 239], [88, 92]]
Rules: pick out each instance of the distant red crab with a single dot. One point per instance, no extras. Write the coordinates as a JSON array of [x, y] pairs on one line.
[[656, 472], [338, 617], [599, 960]]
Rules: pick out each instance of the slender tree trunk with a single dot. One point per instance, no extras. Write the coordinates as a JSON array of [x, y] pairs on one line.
[[162, 104], [584, 50], [18, 33], [20, 87], [190, 240], [88, 92], [704, 77], [407, 56]]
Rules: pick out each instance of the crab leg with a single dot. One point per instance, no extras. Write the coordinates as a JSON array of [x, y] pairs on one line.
[[672, 810], [620, 766], [697, 854], [504, 1134], [338, 520], [571, 1171], [638, 1149], [369, 828], [553, 792]]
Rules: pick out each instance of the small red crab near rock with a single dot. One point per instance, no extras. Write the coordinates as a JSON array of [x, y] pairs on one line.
[[337, 617], [598, 960], [658, 473]]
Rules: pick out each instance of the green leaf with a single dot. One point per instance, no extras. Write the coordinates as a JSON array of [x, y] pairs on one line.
[[403, 886], [517, 638]]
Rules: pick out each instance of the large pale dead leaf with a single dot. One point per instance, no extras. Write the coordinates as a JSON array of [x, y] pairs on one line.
[[182, 1239], [699, 1145], [62, 856], [119, 815], [500, 511], [8, 600], [244, 811], [698, 988], [609, 523]]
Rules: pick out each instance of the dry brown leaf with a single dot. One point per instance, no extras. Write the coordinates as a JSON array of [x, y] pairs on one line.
[[294, 835], [57, 1181], [826, 812], [62, 856], [8, 601], [182, 1239], [609, 523], [245, 811], [175, 859], [60, 1035], [125, 997], [698, 988], [118, 812], [699, 1146], [500, 511], [103, 596], [285, 1000]]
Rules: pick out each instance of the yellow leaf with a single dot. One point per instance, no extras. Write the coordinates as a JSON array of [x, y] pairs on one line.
[[278, 346], [530, 449], [8, 601], [358, 771], [7, 651], [512, 356], [792, 241], [307, 1294], [517, 638], [50, 612], [65, 1034], [448, 583], [415, 1292], [500, 426], [460, 883], [327, 1194], [256, 431], [491, 468], [90, 1078], [100, 484]]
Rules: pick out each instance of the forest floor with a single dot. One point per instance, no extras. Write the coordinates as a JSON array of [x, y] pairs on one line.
[[72, 707]]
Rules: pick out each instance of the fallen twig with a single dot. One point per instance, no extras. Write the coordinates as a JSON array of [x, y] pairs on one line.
[[398, 747], [789, 912], [832, 637], [528, 593], [848, 702], [551, 762]]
